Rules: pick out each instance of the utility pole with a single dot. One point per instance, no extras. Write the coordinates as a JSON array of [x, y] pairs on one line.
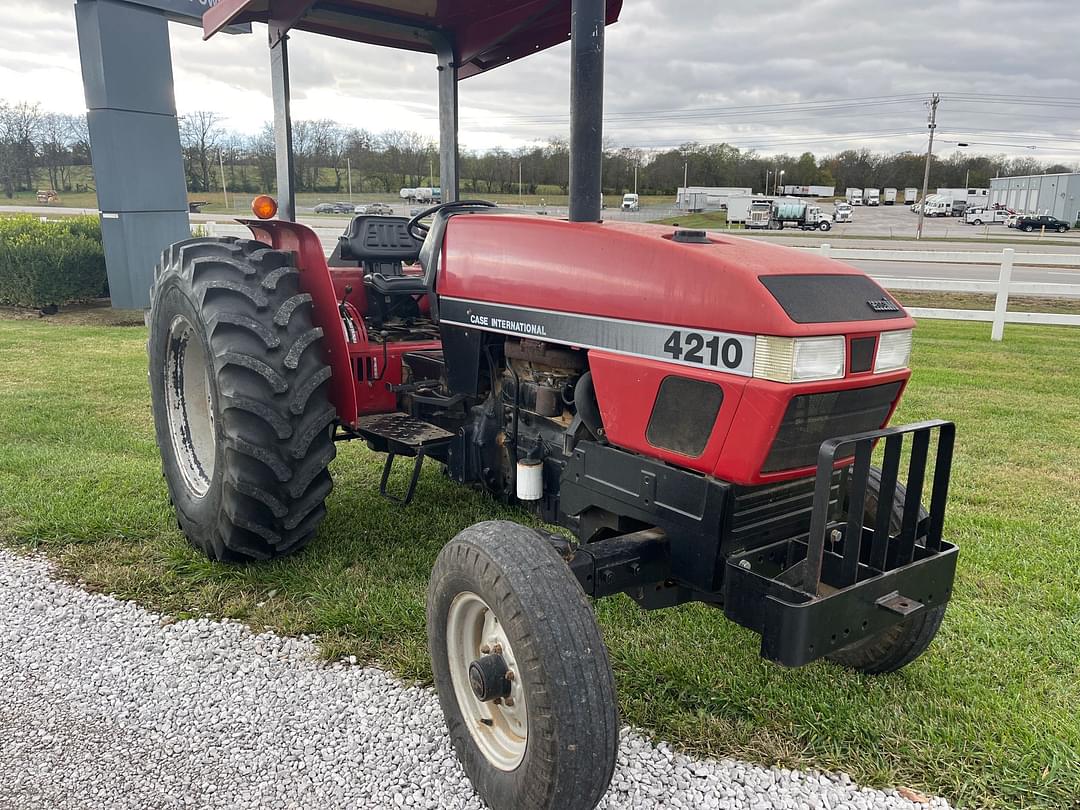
[[221, 163], [685, 175], [521, 194], [934, 99], [348, 168], [635, 179], [767, 173]]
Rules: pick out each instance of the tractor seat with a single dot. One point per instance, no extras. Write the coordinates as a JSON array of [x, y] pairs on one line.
[[381, 245], [375, 240]]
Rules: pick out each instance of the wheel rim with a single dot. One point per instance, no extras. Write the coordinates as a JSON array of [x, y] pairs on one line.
[[500, 728], [190, 407]]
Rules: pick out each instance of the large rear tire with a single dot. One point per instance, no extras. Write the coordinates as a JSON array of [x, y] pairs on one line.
[[546, 737], [238, 386], [902, 643]]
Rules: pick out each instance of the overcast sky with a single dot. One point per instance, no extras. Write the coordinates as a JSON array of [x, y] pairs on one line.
[[818, 75]]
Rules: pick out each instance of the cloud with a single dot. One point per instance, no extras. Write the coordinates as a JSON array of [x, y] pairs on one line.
[[677, 70]]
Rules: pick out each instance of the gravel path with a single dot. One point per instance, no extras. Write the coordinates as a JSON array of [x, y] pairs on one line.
[[103, 704]]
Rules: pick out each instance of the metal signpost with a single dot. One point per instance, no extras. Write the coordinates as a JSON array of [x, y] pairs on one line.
[[134, 134]]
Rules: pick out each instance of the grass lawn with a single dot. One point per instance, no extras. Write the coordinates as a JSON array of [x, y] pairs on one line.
[[990, 717]]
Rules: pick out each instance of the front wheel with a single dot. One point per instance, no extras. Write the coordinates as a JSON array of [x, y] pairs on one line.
[[905, 641], [521, 671], [825, 226], [1062, 229], [1027, 229]]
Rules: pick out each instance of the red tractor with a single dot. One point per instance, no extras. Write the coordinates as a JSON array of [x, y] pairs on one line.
[[701, 414]]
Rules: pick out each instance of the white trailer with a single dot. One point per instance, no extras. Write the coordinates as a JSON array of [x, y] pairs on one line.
[[872, 196], [808, 191], [911, 196], [708, 198], [890, 196], [854, 196]]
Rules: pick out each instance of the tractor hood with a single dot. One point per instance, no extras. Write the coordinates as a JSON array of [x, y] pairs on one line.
[[657, 274]]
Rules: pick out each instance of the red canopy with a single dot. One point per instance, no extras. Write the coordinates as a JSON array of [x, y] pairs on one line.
[[485, 34]]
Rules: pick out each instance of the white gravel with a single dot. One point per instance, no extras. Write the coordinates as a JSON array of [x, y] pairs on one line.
[[103, 704]]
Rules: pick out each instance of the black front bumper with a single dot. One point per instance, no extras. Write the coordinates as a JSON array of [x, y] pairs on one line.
[[810, 595], [792, 562]]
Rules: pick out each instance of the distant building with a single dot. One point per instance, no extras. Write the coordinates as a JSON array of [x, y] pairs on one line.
[[1055, 194]]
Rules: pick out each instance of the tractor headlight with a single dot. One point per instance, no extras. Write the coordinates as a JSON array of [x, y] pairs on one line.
[[789, 360], [893, 351]]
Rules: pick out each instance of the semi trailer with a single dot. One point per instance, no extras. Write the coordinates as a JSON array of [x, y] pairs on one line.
[[799, 214]]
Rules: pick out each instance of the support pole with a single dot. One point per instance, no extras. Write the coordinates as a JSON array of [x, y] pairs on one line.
[[1001, 304], [283, 141], [932, 125], [587, 18], [448, 120]]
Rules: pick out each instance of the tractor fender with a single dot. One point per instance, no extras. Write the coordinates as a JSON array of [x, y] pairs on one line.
[[315, 280]]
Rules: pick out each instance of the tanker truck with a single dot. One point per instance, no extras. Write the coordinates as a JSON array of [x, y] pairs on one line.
[[799, 214]]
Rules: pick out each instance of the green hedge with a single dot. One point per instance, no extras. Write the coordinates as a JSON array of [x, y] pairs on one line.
[[44, 263]]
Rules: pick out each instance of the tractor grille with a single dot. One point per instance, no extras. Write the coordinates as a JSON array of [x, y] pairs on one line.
[[812, 418]]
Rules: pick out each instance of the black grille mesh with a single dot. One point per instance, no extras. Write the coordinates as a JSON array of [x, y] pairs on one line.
[[812, 418]]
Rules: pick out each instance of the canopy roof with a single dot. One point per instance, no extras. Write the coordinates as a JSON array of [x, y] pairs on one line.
[[484, 33]]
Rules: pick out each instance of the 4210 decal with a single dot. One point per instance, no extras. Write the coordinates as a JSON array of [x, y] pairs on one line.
[[693, 347]]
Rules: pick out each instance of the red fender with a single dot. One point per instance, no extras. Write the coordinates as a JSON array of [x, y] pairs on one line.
[[315, 281]]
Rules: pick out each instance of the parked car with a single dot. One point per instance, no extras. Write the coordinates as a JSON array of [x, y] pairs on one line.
[[1029, 224], [375, 209], [335, 208]]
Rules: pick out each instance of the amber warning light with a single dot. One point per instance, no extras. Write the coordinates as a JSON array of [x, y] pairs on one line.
[[264, 206]]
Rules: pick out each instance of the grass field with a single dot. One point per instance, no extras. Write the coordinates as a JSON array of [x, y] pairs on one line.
[[988, 718]]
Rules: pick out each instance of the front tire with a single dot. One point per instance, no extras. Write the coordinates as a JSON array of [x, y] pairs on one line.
[[1027, 229], [545, 737], [238, 388], [899, 645]]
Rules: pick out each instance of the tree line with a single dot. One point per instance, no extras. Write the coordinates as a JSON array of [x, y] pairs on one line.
[[38, 146]]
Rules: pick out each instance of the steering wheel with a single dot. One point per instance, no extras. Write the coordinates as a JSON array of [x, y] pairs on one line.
[[419, 231]]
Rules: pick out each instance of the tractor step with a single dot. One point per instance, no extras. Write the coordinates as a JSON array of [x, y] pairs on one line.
[[402, 434], [398, 434]]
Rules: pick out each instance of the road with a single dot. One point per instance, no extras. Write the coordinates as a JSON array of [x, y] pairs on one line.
[[972, 272]]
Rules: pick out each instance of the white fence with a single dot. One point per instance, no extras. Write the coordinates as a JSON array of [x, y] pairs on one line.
[[1002, 288]]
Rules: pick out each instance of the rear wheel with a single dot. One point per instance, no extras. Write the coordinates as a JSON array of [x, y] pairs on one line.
[[522, 673], [902, 643], [238, 387]]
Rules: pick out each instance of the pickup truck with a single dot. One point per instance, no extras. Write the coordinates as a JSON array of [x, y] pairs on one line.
[[1029, 224], [987, 216]]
